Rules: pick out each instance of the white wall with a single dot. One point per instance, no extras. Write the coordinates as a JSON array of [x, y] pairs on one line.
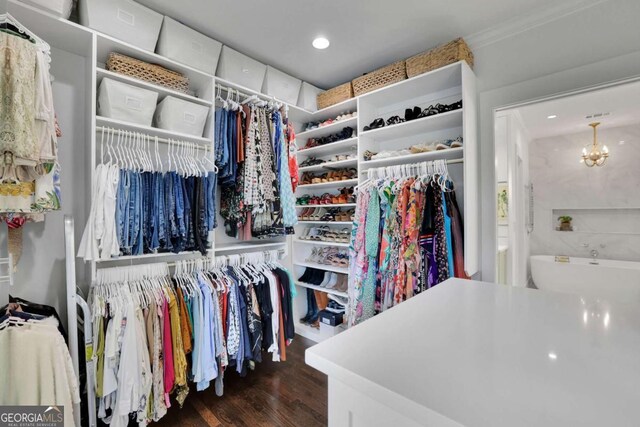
[[41, 271], [563, 185], [593, 46]]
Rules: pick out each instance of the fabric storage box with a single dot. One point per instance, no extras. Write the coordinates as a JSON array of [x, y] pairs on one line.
[[330, 318], [123, 19], [121, 101], [281, 85], [379, 78], [61, 8], [177, 115], [182, 44], [454, 51], [334, 96], [241, 69], [308, 98]]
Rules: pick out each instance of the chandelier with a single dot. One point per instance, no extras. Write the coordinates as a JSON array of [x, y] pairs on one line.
[[595, 156]]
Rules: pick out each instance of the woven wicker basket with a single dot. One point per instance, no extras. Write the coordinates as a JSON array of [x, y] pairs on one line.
[[148, 72], [381, 77], [334, 96], [454, 51]]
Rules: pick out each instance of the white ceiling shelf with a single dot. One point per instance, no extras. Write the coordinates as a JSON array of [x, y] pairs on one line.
[[332, 148], [331, 184], [321, 131], [325, 267], [321, 289], [448, 154], [296, 114], [330, 165], [162, 91], [442, 121], [160, 133]]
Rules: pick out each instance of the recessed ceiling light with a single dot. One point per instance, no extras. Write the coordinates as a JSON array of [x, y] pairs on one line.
[[553, 116], [320, 43], [621, 142], [553, 356]]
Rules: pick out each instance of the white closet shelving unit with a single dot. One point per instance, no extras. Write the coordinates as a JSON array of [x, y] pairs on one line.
[[448, 84], [445, 85], [302, 249]]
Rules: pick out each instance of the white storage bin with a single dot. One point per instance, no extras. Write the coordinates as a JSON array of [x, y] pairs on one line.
[[281, 86], [188, 46], [120, 101], [123, 19], [177, 115], [240, 69], [308, 97], [61, 8]]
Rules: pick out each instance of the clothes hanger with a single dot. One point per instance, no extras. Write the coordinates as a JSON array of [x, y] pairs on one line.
[[7, 18]]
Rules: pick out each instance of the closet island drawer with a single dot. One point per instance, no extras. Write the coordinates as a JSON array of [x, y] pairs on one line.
[[181, 116], [182, 44], [240, 69], [123, 19], [120, 101], [308, 98], [281, 86]]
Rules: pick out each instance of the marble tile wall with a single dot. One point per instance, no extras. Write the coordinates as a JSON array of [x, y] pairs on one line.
[[564, 186]]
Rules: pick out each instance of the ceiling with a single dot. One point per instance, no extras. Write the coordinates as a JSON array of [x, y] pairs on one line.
[[622, 102], [364, 34]]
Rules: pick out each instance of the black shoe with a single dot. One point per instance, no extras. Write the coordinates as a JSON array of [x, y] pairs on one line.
[[377, 123], [310, 294], [306, 275], [394, 120]]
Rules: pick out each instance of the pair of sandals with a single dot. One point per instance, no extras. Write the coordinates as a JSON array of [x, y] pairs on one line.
[[413, 114], [333, 176], [326, 234], [337, 215], [329, 256]]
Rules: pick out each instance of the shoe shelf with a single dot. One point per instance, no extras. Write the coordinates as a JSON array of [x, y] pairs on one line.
[[327, 166], [332, 111], [448, 154], [321, 289], [331, 148], [437, 122], [327, 130], [337, 205], [325, 267], [321, 243], [303, 222], [330, 184]]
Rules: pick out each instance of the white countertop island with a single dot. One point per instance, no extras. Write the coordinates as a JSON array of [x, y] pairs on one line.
[[477, 354]]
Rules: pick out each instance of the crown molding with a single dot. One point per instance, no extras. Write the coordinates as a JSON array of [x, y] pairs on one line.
[[527, 22]]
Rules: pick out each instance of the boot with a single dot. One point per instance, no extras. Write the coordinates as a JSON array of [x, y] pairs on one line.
[[317, 302], [310, 312]]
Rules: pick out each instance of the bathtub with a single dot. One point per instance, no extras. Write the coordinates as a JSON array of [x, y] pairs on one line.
[[610, 280]]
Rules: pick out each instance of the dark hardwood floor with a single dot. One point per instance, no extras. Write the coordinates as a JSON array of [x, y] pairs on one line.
[[287, 394]]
